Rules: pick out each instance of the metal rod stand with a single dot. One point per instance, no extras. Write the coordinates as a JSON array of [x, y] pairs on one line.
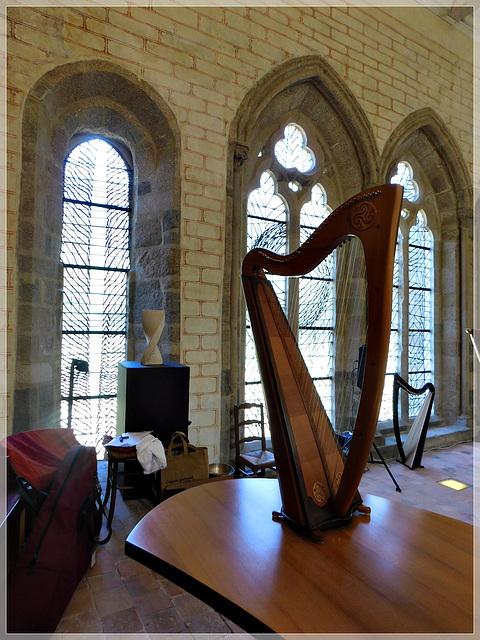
[[382, 461]]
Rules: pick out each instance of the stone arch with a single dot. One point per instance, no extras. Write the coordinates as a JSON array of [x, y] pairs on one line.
[[423, 140], [91, 98], [309, 91], [292, 87], [426, 140]]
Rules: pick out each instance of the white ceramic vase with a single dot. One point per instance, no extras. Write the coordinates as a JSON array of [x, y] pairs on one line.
[[153, 322]]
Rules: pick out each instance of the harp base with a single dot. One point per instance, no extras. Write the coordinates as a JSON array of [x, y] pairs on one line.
[[410, 466], [332, 522]]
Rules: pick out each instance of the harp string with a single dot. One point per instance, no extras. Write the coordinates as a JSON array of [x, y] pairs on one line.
[[349, 328], [312, 406]]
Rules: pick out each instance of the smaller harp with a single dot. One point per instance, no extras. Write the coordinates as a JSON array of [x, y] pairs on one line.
[[410, 450]]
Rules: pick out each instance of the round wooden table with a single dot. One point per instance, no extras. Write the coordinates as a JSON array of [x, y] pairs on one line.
[[400, 569]]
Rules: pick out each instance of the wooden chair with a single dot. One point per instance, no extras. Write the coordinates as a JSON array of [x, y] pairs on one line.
[[247, 430]]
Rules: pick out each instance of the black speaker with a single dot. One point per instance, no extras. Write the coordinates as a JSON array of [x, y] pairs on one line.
[[362, 354], [153, 398]]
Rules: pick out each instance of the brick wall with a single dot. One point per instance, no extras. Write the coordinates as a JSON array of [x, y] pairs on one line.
[[202, 61]]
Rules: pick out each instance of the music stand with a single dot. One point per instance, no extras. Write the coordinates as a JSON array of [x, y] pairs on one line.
[[383, 461]]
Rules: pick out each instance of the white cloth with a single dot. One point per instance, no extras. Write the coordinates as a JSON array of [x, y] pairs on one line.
[[151, 454]]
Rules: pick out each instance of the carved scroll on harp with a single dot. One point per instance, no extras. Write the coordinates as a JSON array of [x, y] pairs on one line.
[[410, 449], [319, 488]]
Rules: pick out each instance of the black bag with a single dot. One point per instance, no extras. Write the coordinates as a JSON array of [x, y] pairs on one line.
[[59, 548]]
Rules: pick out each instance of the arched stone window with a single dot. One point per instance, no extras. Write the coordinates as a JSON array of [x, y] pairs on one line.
[[92, 99], [303, 111], [435, 249], [95, 255]]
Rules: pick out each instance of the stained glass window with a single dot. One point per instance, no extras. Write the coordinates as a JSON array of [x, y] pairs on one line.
[[95, 258], [292, 151], [419, 308], [412, 298], [266, 227], [394, 347], [271, 224], [316, 308], [404, 176]]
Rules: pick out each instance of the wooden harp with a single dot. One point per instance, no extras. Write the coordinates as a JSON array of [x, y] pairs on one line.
[[318, 483]]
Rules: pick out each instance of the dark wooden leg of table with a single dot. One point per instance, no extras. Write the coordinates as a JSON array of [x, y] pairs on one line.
[[111, 488]]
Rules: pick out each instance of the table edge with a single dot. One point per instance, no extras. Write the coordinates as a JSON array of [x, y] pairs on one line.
[[209, 596]]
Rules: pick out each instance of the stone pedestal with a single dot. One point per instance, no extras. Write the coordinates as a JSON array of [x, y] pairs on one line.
[[153, 398], [150, 398]]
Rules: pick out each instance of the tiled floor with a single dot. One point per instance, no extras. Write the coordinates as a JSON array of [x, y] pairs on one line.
[[120, 596], [420, 486]]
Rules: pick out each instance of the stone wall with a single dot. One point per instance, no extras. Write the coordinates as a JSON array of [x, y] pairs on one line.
[[199, 67]]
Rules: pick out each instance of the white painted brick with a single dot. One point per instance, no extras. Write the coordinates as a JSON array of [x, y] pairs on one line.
[[194, 403], [202, 202], [210, 342], [203, 259], [202, 230], [275, 20], [200, 357], [205, 177], [131, 24], [191, 307], [191, 244], [189, 102], [174, 56], [210, 401], [212, 217], [203, 435], [212, 276], [191, 213], [203, 385], [224, 34], [267, 51], [191, 273], [197, 291], [240, 22], [201, 326], [211, 309], [209, 369], [191, 343]]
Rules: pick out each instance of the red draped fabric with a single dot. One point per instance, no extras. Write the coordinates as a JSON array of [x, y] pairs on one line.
[[36, 454]]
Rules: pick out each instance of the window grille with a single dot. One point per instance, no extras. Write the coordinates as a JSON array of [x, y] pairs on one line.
[[95, 258], [394, 347]]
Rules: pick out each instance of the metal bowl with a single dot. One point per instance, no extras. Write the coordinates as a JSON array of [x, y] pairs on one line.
[[216, 469]]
